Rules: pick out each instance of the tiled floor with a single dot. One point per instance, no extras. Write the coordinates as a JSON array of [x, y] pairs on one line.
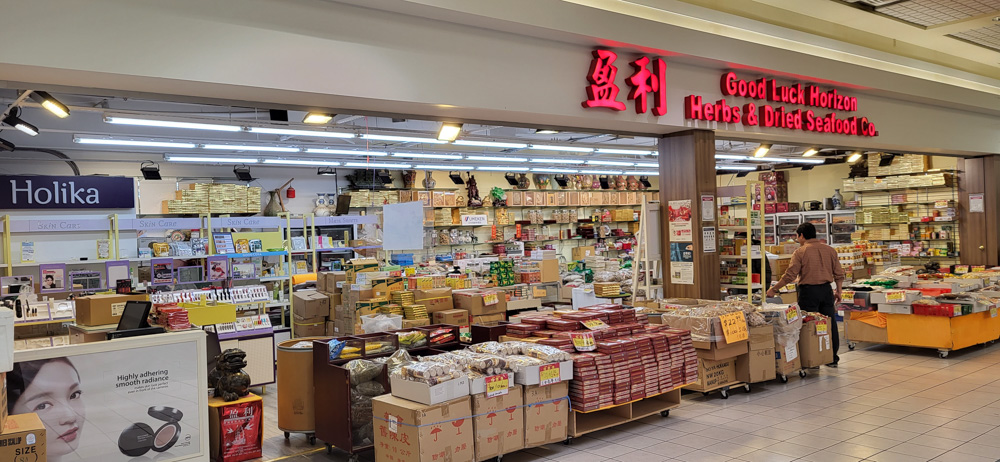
[[883, 404]]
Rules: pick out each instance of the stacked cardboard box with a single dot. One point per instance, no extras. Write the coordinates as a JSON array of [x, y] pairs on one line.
[[310, 310], [786, 321], [757, 365]]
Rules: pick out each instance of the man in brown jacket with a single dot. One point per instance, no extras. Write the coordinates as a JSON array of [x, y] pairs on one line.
[[816, 265]]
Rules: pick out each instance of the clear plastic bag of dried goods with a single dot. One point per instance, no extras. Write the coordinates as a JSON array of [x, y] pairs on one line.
[[363, 370], [398, 359], [370, 389]]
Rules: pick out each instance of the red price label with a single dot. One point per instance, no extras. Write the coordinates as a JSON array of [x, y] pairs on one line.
[[549, 374]]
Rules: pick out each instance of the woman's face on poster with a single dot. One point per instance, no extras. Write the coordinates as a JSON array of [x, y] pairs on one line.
[[55, 396]]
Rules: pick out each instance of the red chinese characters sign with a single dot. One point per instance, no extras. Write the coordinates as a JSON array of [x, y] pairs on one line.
[[603, 91]]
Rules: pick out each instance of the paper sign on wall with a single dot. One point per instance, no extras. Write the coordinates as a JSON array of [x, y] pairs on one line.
[[708, 239], [734, 326], [680, 220], [707, 207], [976, 203]]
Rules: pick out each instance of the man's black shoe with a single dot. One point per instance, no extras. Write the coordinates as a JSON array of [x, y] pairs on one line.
[[833, 364]]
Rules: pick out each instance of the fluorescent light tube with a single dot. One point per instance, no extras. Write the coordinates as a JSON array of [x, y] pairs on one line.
[[648, 173], [772, 160], [145, 144], [420, 155], [549, 147], [744, 168], [610, 162], [503, 169], [730, 157], [553, 170], [799, 160], [632, 152], [490, 144], [496, 159], [559, 161], [444, 167], [213, 160], [237, 147], [311, 163], [601, 172], [305, 133], [375, 165], [402, 139], [346, 152], [647, 164], [171, 124]]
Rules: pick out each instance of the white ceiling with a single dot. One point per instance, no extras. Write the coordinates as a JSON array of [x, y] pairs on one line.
[[964, 19]]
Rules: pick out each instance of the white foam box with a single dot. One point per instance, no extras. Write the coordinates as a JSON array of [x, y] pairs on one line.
[[879, 298], [895, 308], [531, 375], [6, 339], [430, 394]]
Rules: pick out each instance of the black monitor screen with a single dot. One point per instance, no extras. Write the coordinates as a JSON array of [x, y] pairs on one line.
[[135, 315]]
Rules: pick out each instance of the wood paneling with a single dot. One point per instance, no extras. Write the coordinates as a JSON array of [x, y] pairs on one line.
[[979, 232], [687, 170]]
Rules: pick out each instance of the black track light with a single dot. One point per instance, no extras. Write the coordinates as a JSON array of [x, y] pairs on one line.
[[742, 174], [20, 124], [456, 177], [645, 181], [561, 180], [150, 170], [886, 160], [243, 173], [511, 179], [326, 171], [6, 145]]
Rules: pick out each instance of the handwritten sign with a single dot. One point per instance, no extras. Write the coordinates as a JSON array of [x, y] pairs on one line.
[[847, 296], [895, 296], [962, 269], [497, 385], [734, 326], [549, 374], [595, 324], [584, 341], [791, 314], [490, 299], [538, 292]]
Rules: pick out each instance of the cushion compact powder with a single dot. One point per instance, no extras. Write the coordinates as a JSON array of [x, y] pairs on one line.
[[139, 438]]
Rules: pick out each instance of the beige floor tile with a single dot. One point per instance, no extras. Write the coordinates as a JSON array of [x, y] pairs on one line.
[[853, 450]]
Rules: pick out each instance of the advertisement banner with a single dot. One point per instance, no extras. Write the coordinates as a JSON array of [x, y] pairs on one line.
[[131, 404], [67, 192]]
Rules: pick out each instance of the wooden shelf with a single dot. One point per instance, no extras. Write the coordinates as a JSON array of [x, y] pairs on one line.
[[581, 423]]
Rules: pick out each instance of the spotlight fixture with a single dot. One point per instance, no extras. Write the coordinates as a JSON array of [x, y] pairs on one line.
[[511, 179], [546, 131], [456, 177], [384, 176], [50, 103], [886, 160], [742, 174], [645, 181], [561, 180], [449, 131], [150, 170], [808, 167], [6, 145], [242, 173], [326, 171], [810, 152], [20, 124], [317, 118], [854, 157], [762, 150]]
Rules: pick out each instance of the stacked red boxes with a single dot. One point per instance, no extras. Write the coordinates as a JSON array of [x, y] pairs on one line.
[[522, 330], [592, 386]]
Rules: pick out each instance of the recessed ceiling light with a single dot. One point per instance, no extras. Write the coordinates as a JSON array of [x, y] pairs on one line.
[[449, 132], [854, 157], [762, 150], [317, 118], [402, 139], [546, 131], [810, 152]]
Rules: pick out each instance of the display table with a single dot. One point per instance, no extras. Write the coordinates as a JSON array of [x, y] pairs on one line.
[[236, 428], [940, 332]]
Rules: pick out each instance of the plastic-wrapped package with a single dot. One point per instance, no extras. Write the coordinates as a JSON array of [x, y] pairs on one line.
[[605, 276], [381, 323], [370, 389], [362, 370], [364, 435], [398, 359], [546, 353], [518, 363], [412, 339], [497, 348]]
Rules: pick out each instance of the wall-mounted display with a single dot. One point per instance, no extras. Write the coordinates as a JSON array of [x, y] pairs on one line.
[[52, 277]]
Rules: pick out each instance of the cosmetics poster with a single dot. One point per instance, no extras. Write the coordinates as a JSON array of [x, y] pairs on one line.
[[137, 404], [163, 271], [52, 277], [218, 268]]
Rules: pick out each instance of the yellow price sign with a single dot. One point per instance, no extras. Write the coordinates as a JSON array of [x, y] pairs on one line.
[[583, 341], [595, 324], [895, 296], [538, 292], [791, 314], [549, 374], [847, 296], [490, 299], [941, 204], [822, 328], [993, 312], [497, 385], [978, 269], [734, 326]]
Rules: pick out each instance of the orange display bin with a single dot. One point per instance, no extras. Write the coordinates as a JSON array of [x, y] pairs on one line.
[[944, 333]]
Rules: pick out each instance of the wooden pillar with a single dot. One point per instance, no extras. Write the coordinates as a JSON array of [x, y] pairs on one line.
[[687, 170], [979, 232]]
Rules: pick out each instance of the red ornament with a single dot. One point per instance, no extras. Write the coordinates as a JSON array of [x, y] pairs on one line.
[[290, 193]]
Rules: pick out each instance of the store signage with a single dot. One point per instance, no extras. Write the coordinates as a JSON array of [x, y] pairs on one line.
[[67, 192], [160, 223], [734, 326], [26, 226], [497, 385], [548, 374], [583, 341], [474, 220], [774, 116], [645, 80]]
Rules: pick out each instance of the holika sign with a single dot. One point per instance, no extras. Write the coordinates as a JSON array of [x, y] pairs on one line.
[[66, 192], [648, 81]]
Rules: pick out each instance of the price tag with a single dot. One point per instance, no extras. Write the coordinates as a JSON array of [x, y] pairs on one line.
[[993, 312], [978, 269], [942, 204], [490, 298], [847, 296], [583, 341], [549, 374], [538, 292], [791, 314], [497, 385], [465, 334], [895, 296], [962, 269], [595, 324], [393, 423], [734, 326], [822, 328]]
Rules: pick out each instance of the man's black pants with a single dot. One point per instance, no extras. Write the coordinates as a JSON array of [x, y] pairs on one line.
[[819, 298]]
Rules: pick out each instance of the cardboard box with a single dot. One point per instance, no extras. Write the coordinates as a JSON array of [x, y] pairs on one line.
[[546, 414], [761, 338], [6, 341], [583, 251], [103, 309], [816, 342], [515, 305], [453, 317], [488, 319], [787, 359], [706, 334], [411, 323], [335, 301], [308, 305], [312, 329], [714, 374], [406, 431], [715, 353], [472, 300], [429, 394], [434, 299], [756, 366], [331, 328], [550, 270], [499, 423], [24, 439], [857, 331]]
